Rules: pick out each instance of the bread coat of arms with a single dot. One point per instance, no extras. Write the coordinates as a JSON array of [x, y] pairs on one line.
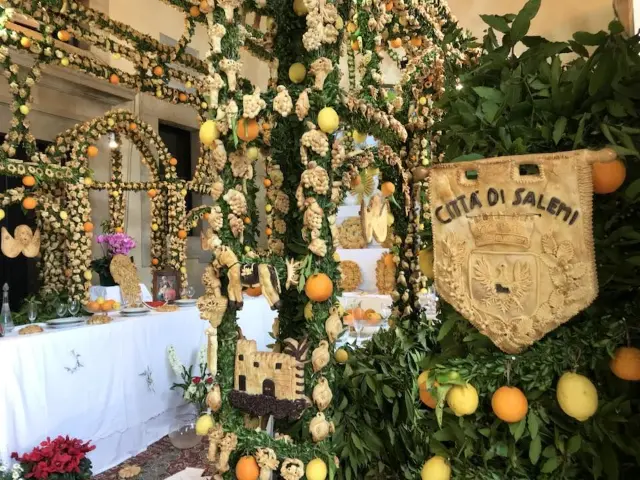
[[513, 242]]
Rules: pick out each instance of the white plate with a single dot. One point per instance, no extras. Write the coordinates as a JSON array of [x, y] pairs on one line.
[[134, 310], [20, 327], [186, 302], [65, 321], [136, 314]]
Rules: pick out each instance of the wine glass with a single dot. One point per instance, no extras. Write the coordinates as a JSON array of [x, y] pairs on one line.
[[385, 312], [61, 309], [74, 307], [32, 311], [190, 291]]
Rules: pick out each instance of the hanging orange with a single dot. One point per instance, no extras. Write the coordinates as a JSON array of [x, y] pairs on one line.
[[267, 182], [114, 79], [247, 220], [426, 397], [509, 404], [133, 127], [355, 46], [248, 129], [28, 180], [388, 6], [206, 215], [155, 261], [182, 234], [194, 11], [173, 161], [152, 193], [254, 291], [182, 97], [88, 227], [387, 189], [318, 287], [396, 42], [388, 260], [119, 229], [625, 363], [29, 203], [247, 469], [204, 6], [268, 232], [158, 71], [92, 151], [416, 41], [608, 176], [64, 36]]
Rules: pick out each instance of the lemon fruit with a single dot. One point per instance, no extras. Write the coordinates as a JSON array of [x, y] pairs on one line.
[[463, 399], [359, 137], [328, 120], [209, 133], [577, 396], [425, 260], [1, 214], [436, 468], [88, 275], [100, 300], [308, 311], [341, 355], [316, 470], [297, 72], [204, 424], [300, 8], [252, 153]]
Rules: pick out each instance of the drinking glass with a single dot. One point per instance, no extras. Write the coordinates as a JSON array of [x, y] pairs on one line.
[[190, 291], [358, 325], [32, 311], [61, 309], [385, 312], [74, 307]]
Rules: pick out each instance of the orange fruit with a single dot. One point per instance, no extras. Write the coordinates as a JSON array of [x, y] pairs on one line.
[[351, 27], [388, 6], [93, 306], [248, 129], [396, 43], [266, 126], [373, 318], [119, 229], [387, 189], [29, 203], [133, 127], [25, 42], [608, 176], [247, 469], [268, 232], [182, 97], [247, 220], [358, 313], [426, 397], [155, 261], [416, 41], [625, 363], [348, 319], [152, 193], [92, 151], [194, 11], [254, 291], [173, 161], [114, 79], [206, 215], [204, 6], [106, 306], [64, 36], [355, 46], [318, 287], [182, 234], [267, 182], [88, 227], [28, 180], [158, 71], [509, 404], [388, 260]]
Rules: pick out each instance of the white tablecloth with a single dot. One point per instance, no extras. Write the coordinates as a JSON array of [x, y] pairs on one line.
[[108, 400], [114, 293]]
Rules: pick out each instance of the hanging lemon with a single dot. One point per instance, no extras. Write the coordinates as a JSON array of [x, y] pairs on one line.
[[300, 8], [209, 133], [328, 120], [297, 72], [436, 468], [87, 275], [359, 137], [342, 356], [203, 425], [24, 110], [577, 396], [463, 399], [252, 153], [1, 214], [316, 470]]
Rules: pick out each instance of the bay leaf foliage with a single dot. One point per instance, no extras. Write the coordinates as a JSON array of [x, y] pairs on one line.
[[555, 96]]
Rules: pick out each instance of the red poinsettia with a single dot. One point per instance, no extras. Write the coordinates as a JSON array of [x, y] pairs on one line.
[[53, 458]]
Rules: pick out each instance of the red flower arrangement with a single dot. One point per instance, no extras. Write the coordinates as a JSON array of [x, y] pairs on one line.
[[63, 458]]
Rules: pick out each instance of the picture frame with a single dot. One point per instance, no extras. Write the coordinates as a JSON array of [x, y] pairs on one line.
[[166, 285]]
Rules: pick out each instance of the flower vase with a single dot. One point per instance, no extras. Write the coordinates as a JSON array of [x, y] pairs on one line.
[[183, 429], [106, 279]]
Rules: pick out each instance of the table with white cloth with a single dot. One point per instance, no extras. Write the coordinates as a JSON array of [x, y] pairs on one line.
[[106, 383]]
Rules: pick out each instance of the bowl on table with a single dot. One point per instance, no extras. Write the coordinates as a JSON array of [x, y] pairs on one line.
[[102, 306]]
